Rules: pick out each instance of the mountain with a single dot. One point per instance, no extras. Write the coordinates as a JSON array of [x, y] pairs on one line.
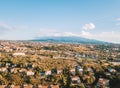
[[79, 40]]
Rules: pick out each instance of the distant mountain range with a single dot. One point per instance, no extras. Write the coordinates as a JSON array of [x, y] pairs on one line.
[[77, 40]]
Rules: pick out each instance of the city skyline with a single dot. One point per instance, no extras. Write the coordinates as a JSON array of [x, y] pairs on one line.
[[27, 19]]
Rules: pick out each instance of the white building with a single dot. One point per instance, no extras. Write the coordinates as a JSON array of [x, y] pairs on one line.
[[75, 80], [3, 69], [48, 73], [30, 73], [18, 54]]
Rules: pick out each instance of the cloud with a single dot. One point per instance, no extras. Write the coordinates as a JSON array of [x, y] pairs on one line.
[[103, 36], [118, 24], [5, 28], [48, 32], [85, 33], [88, 26], [109, 36], [118, 19]]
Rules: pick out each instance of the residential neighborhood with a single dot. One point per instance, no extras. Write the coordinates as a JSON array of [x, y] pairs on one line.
[[57, 65]]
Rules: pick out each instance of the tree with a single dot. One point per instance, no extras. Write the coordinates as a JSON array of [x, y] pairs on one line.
[[90, 80], [16, 79], [81, 85]]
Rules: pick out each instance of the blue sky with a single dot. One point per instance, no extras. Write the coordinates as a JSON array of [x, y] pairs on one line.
[[27, 19]]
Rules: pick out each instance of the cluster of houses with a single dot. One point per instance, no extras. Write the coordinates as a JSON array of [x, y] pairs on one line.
[[103, 83], [30, 48], [75, 79], [29, 86], [24, 48]]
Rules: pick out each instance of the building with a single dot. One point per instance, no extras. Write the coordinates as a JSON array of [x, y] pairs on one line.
[[30, 73], [18, 54], [48, 73], [72, 71], [75, 80], [103, 83], [4, 69]]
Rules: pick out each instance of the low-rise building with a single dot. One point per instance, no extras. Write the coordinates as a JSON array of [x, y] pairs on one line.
[[18, 54], [48, 72], [75, 80], [72, 71], [30, 73], [4, 69], [103, 83]]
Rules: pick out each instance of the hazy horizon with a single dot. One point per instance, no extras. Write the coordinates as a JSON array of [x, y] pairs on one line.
[[27, 19]]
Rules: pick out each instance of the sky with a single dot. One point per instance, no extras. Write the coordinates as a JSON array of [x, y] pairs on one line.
[[28, 19]]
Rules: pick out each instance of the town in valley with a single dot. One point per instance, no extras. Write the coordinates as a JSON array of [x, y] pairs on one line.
[[30, 64]]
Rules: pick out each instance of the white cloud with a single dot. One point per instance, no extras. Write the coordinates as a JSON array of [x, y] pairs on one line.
[[46, 32], [88, 26], [104, 36], [85, 34], [109, 36], [4, 28], [118, 24], [118, 19], [69, 34]]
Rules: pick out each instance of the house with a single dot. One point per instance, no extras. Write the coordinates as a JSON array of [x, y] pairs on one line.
[[115, 63], [90, 70], [8, 64], [111, 70], [49, 86], [52, 86], [22, 70], [75, 80], [39, 86], [30, 73], [72, 71], [59, 71], [79, 68], [18, 54], [103, 83], [115, 48], [3, 69], [16, 87], [27, 86], [48, 72], [12, 86], [9, 86], [14, 70]]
